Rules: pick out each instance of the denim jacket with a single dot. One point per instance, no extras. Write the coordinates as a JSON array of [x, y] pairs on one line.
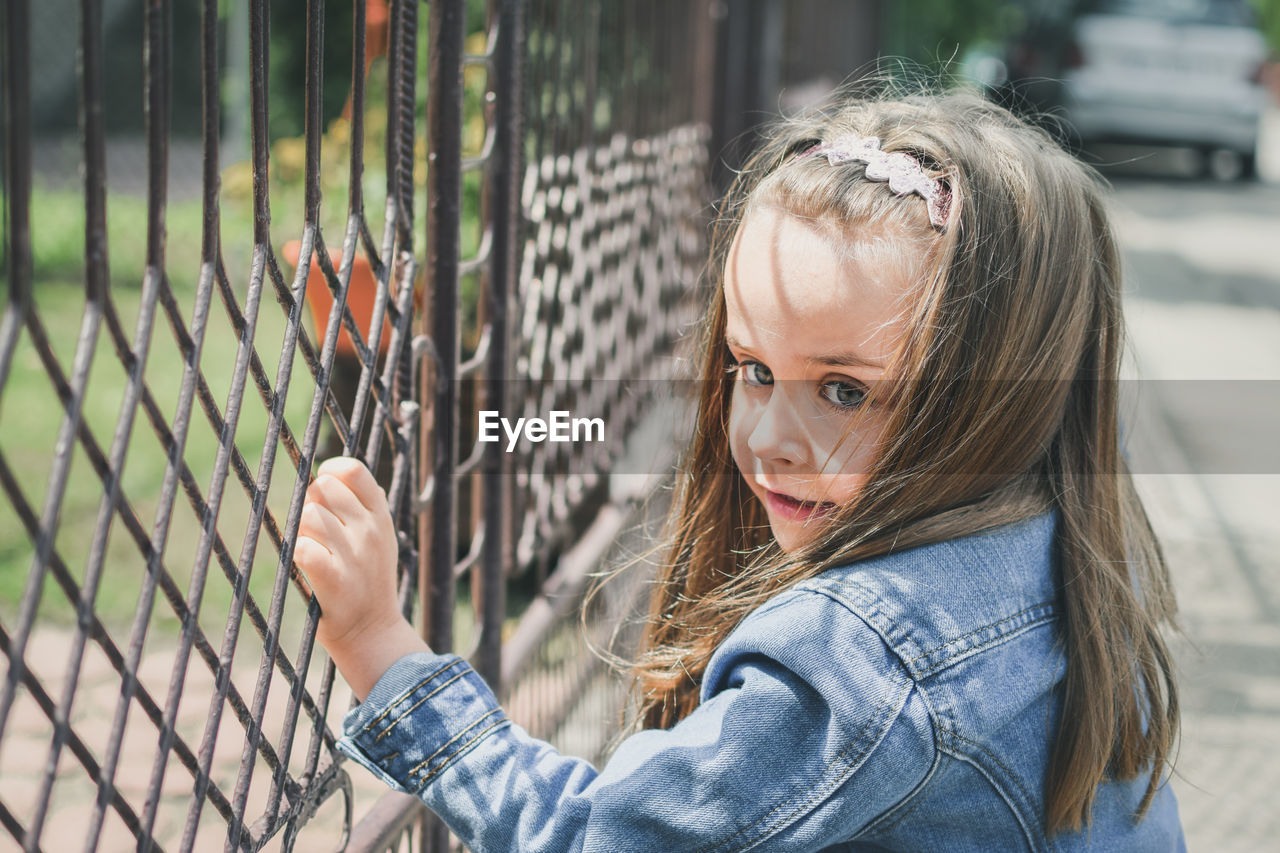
[[900, 703]]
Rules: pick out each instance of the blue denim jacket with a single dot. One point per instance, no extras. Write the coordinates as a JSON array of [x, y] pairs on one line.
[[900, 703]]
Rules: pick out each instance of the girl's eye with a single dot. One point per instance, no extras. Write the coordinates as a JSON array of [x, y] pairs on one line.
[[751, 372], [843, 394], [755, 373]]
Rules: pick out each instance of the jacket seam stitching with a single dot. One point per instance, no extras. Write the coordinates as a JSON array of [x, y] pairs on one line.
[[836, 782], [443, 765], [855, 608], [937, 727], [392, 725], [997, 640], [1013, 778], [887, 819], [913, 802], [857, 745], [417, 768], [1012, 618], [407, 693]]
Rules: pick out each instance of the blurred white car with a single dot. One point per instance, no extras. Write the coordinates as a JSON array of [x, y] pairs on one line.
[[1183, 72]]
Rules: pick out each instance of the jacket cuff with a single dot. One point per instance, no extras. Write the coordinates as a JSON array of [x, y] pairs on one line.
[[425, 712]]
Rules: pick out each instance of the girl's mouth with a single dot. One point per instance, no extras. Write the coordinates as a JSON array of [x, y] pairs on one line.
[[790, 508]]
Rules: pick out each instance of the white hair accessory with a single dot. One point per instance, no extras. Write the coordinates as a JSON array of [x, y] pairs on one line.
[[901, 170]]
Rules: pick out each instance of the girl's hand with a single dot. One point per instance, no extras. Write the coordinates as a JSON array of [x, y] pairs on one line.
[[347, 549]]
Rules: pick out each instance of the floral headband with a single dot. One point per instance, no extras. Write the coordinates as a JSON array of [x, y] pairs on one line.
[[901, 170]]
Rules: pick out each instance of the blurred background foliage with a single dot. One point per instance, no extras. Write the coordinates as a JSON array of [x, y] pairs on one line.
[[1269, 19], [287, 110], [936, 31], [940, 31]]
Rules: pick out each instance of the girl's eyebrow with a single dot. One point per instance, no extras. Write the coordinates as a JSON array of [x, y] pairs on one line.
[[846, 359], [837, 359]]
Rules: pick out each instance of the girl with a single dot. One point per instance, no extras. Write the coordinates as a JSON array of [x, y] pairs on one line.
[[929, 619]]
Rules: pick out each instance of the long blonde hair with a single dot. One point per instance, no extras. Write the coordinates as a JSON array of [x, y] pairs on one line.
[[1011, 368]]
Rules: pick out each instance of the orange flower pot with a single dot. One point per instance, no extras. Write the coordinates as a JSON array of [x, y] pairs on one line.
[[361, 294]]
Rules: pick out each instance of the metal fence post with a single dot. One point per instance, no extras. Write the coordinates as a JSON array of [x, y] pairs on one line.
[[590, 183], [444, 200], [503, 203]]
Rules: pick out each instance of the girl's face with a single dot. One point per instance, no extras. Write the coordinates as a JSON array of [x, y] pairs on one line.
[[811, 324]]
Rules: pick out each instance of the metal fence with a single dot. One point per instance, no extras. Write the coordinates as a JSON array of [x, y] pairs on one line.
[[537, 223]]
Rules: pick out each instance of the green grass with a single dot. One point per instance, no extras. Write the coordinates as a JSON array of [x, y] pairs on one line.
[[31, 416]]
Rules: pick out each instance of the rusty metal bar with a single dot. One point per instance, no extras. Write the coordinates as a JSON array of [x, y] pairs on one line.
[[314, 47], [446, 29], [210, 260], [355, 216], [503, 206], [95, 294], [63, 577], [561, 592], [262, 258], [76, 745], [444, 194], [17, 177], [391, 818], [156, 26], [313, 131]]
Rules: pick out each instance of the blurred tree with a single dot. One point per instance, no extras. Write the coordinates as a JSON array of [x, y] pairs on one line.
[[289, 58], [288, 75], [937, 32], [1269, 19], [55, 74]]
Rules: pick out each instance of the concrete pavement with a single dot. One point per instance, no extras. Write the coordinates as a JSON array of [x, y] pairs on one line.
[[1204, 304]]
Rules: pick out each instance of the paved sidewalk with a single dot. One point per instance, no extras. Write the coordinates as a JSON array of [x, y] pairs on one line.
[[1219, 530], [26, 747]]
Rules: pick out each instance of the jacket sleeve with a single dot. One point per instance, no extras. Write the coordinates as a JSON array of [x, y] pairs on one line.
[[808, 729]]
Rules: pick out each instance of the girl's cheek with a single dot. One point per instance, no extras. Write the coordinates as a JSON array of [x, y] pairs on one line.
[[858, 452], [852, 459]]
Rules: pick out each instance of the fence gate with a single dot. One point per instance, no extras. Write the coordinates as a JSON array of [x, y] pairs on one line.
[[508, 204]]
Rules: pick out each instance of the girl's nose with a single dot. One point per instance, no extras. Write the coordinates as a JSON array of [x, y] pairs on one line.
[[778, 433]]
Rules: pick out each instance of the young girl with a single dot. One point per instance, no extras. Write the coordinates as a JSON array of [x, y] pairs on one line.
[[911, 600]]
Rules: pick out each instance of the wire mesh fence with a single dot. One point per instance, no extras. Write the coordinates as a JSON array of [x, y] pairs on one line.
[[508, 203]]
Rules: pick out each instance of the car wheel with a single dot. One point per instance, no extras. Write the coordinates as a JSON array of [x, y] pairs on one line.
[[1223, 164], [1248, 166]]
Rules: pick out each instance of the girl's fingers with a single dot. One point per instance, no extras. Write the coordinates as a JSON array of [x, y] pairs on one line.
[[314, 560], [335, 496], [320, 524], [358, 479]]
